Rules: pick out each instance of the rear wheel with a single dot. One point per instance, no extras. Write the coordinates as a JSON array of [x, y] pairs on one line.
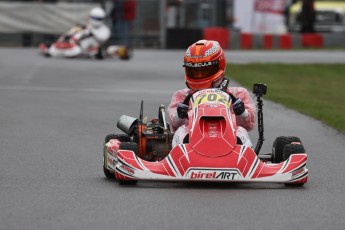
[[121, 137], [290, 149], [278, 147], [132, 146]]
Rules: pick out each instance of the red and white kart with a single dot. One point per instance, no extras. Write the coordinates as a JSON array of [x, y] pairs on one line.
[[212, 152], [72, 44]]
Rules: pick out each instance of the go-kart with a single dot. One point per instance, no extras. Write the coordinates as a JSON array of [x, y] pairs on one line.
[[69, 45], [211, 153]]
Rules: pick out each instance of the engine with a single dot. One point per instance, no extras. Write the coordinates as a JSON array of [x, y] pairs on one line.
[[157, 141]]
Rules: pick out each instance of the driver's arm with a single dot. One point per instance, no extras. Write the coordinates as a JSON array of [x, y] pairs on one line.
[[178, 97], [247, 119]]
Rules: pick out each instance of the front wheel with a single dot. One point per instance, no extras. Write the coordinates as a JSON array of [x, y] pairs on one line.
[[294, 185], [278, 147], [121, 137], [128, 182], [290, 149]]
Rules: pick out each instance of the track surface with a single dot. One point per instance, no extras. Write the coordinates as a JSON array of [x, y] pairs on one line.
[[55, 114]]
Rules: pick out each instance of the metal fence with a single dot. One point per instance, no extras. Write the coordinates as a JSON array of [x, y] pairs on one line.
[[145, 29], [153, 18]]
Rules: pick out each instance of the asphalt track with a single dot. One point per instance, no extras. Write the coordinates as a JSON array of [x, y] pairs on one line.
[[56, 112]]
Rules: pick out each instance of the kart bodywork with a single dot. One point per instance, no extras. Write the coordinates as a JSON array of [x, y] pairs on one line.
[[213, 152], [185, 164]]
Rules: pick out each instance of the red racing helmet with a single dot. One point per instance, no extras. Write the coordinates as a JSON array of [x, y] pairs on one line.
[[204, 64]]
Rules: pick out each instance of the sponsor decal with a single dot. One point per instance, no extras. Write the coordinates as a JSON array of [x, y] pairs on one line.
[[231, 174], [112, 152], [212, 90], [200, 64], [127, 169], [297, 172], [111, 160], [212, 129]]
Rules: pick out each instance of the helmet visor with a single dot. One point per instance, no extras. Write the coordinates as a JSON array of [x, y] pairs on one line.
[[201, 70], [97, 18]]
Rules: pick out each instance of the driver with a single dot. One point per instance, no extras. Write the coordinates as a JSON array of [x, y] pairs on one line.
[[96, 33], [204, 64]]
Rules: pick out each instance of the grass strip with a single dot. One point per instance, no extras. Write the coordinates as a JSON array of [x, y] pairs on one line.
[[317, 90]]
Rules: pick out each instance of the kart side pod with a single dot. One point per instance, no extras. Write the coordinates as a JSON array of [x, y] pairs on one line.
[[127, 124]]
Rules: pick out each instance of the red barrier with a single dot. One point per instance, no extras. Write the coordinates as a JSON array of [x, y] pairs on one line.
[[246, 41], [312, 40], [268, 41], [285, 41], [219, 34]]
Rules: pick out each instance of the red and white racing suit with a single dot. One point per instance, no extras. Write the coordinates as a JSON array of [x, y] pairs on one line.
[[245, 122]]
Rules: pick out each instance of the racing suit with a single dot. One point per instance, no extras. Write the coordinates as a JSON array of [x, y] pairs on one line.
[[245, 122], [93, 37]]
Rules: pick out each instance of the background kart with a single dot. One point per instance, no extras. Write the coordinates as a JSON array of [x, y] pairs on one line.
[[67, 45], [211, 152]]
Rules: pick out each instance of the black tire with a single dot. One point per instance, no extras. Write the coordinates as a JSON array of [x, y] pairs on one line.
[[278, 147], [120, 137], [129, 146], [127, 182], [290, 149], [133, 147], [292, 185], [125, 58], [108, 173], [100, 54]]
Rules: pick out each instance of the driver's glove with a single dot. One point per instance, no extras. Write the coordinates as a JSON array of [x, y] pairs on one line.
[[238, 107], [182, 110]]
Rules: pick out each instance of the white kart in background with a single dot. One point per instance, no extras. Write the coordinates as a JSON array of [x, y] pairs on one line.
[[75, 43]]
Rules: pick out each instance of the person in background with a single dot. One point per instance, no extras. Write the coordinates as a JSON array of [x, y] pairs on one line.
[[307, 16], [96, 32], [123, 15], [204, 63]]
